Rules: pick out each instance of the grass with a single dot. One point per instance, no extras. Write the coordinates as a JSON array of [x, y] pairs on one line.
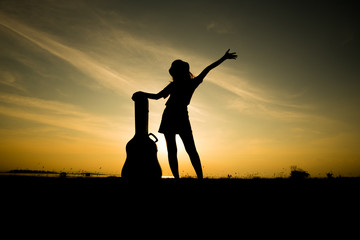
[[299, 183]]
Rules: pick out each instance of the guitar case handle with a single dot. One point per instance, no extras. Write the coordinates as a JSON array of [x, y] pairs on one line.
[[151, 134]]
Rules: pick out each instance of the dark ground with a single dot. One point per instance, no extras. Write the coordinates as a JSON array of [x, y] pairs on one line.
[[214, 207], [225, 190]]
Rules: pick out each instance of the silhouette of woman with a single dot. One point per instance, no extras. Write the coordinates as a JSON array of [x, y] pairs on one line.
[[175, 119]]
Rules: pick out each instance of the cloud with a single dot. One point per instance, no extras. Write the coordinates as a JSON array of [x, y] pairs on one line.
[[97, 71], [10, 79], [250, 100], [219, 28], [114, 58], [57, 107], [61, 115]]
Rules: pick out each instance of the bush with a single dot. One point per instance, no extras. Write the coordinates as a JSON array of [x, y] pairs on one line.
[[330, 175], [298, 173]]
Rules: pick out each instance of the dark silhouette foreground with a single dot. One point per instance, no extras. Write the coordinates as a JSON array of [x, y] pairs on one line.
[[141, 161], [175, 119]]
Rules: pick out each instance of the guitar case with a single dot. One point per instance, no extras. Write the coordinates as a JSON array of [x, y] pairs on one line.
[[141, 151]]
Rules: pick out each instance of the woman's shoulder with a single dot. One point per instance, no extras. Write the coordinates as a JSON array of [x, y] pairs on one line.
[[197, 80]]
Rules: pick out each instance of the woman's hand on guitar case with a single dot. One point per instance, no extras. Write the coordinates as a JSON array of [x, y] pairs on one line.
[[138, 95]]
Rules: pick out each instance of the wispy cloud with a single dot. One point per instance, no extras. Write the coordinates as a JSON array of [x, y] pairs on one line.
[[56, 107], [10, 79], [249, 100], [95, 70], [115, 59], [269, 111], [60, 114], [219, 28]]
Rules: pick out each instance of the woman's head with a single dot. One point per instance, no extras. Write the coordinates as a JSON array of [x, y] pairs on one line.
[[180, 70]]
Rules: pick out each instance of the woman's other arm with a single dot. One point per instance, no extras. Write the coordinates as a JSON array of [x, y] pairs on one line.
[[154, 96], [162, 94]]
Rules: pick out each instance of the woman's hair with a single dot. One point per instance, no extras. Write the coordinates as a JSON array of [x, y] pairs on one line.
[[180, 70]]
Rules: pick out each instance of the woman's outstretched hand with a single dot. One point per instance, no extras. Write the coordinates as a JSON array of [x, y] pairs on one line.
[[229, 55]]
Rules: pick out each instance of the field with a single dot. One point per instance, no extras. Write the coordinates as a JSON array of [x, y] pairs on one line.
[[187, 206], [315, 188]]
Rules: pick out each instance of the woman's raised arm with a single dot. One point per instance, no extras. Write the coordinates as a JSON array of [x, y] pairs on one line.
[[227, 55]]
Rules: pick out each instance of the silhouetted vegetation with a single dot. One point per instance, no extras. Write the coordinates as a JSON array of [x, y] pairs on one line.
[[298, 173], [330, 175], [32, 171], [61, 174]]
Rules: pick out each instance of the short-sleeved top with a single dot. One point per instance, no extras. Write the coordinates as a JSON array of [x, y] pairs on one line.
[[180, 92]]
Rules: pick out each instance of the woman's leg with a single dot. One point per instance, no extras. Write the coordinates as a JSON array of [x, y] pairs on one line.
[[172, 154], [190, 148]]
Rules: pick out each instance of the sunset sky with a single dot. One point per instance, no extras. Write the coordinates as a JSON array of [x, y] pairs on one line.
[[68, 70]]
